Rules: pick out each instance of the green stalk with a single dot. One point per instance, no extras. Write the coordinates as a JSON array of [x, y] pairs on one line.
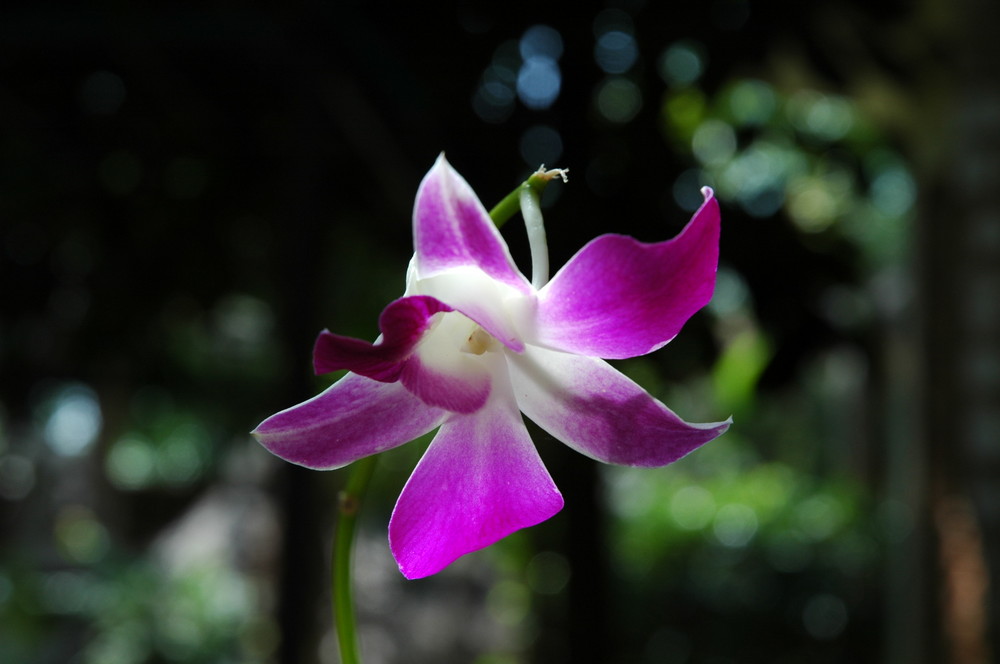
[[511, 203], [349, 504]]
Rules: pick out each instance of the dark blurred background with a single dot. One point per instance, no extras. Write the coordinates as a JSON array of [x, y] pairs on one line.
[[189, 192]]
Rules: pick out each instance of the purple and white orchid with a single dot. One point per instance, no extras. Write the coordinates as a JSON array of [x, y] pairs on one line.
[[472, 344]]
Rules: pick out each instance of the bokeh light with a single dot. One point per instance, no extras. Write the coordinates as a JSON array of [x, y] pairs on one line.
[[615, 52], [539, 79], [682, 63], [72, 418], [618, 100]]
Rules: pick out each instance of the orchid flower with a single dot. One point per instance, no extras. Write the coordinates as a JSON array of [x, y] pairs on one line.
[[472, 344]]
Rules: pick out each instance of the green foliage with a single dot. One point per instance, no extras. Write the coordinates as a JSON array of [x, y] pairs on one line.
[[812, 154], [134, 610]]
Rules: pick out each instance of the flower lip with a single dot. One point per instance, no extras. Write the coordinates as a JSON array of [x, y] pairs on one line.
[[403, 324], [442, 372], [420, 346]]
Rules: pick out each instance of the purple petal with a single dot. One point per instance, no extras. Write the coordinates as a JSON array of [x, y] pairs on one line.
[[402, 323], [451, 229], [353, 418], [596, 410], [618, 297], [480, 480]]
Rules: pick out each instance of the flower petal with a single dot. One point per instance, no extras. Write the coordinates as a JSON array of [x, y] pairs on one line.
[[402, 323], [596, 410], [353, 418], [480, 480], [618, 297], [452, 229]]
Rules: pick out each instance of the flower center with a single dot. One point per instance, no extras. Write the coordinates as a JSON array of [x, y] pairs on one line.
[[453, 331], [479, 342]]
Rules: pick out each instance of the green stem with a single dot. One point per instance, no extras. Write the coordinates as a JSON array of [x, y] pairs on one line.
[[349, 503], [511, 203]]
